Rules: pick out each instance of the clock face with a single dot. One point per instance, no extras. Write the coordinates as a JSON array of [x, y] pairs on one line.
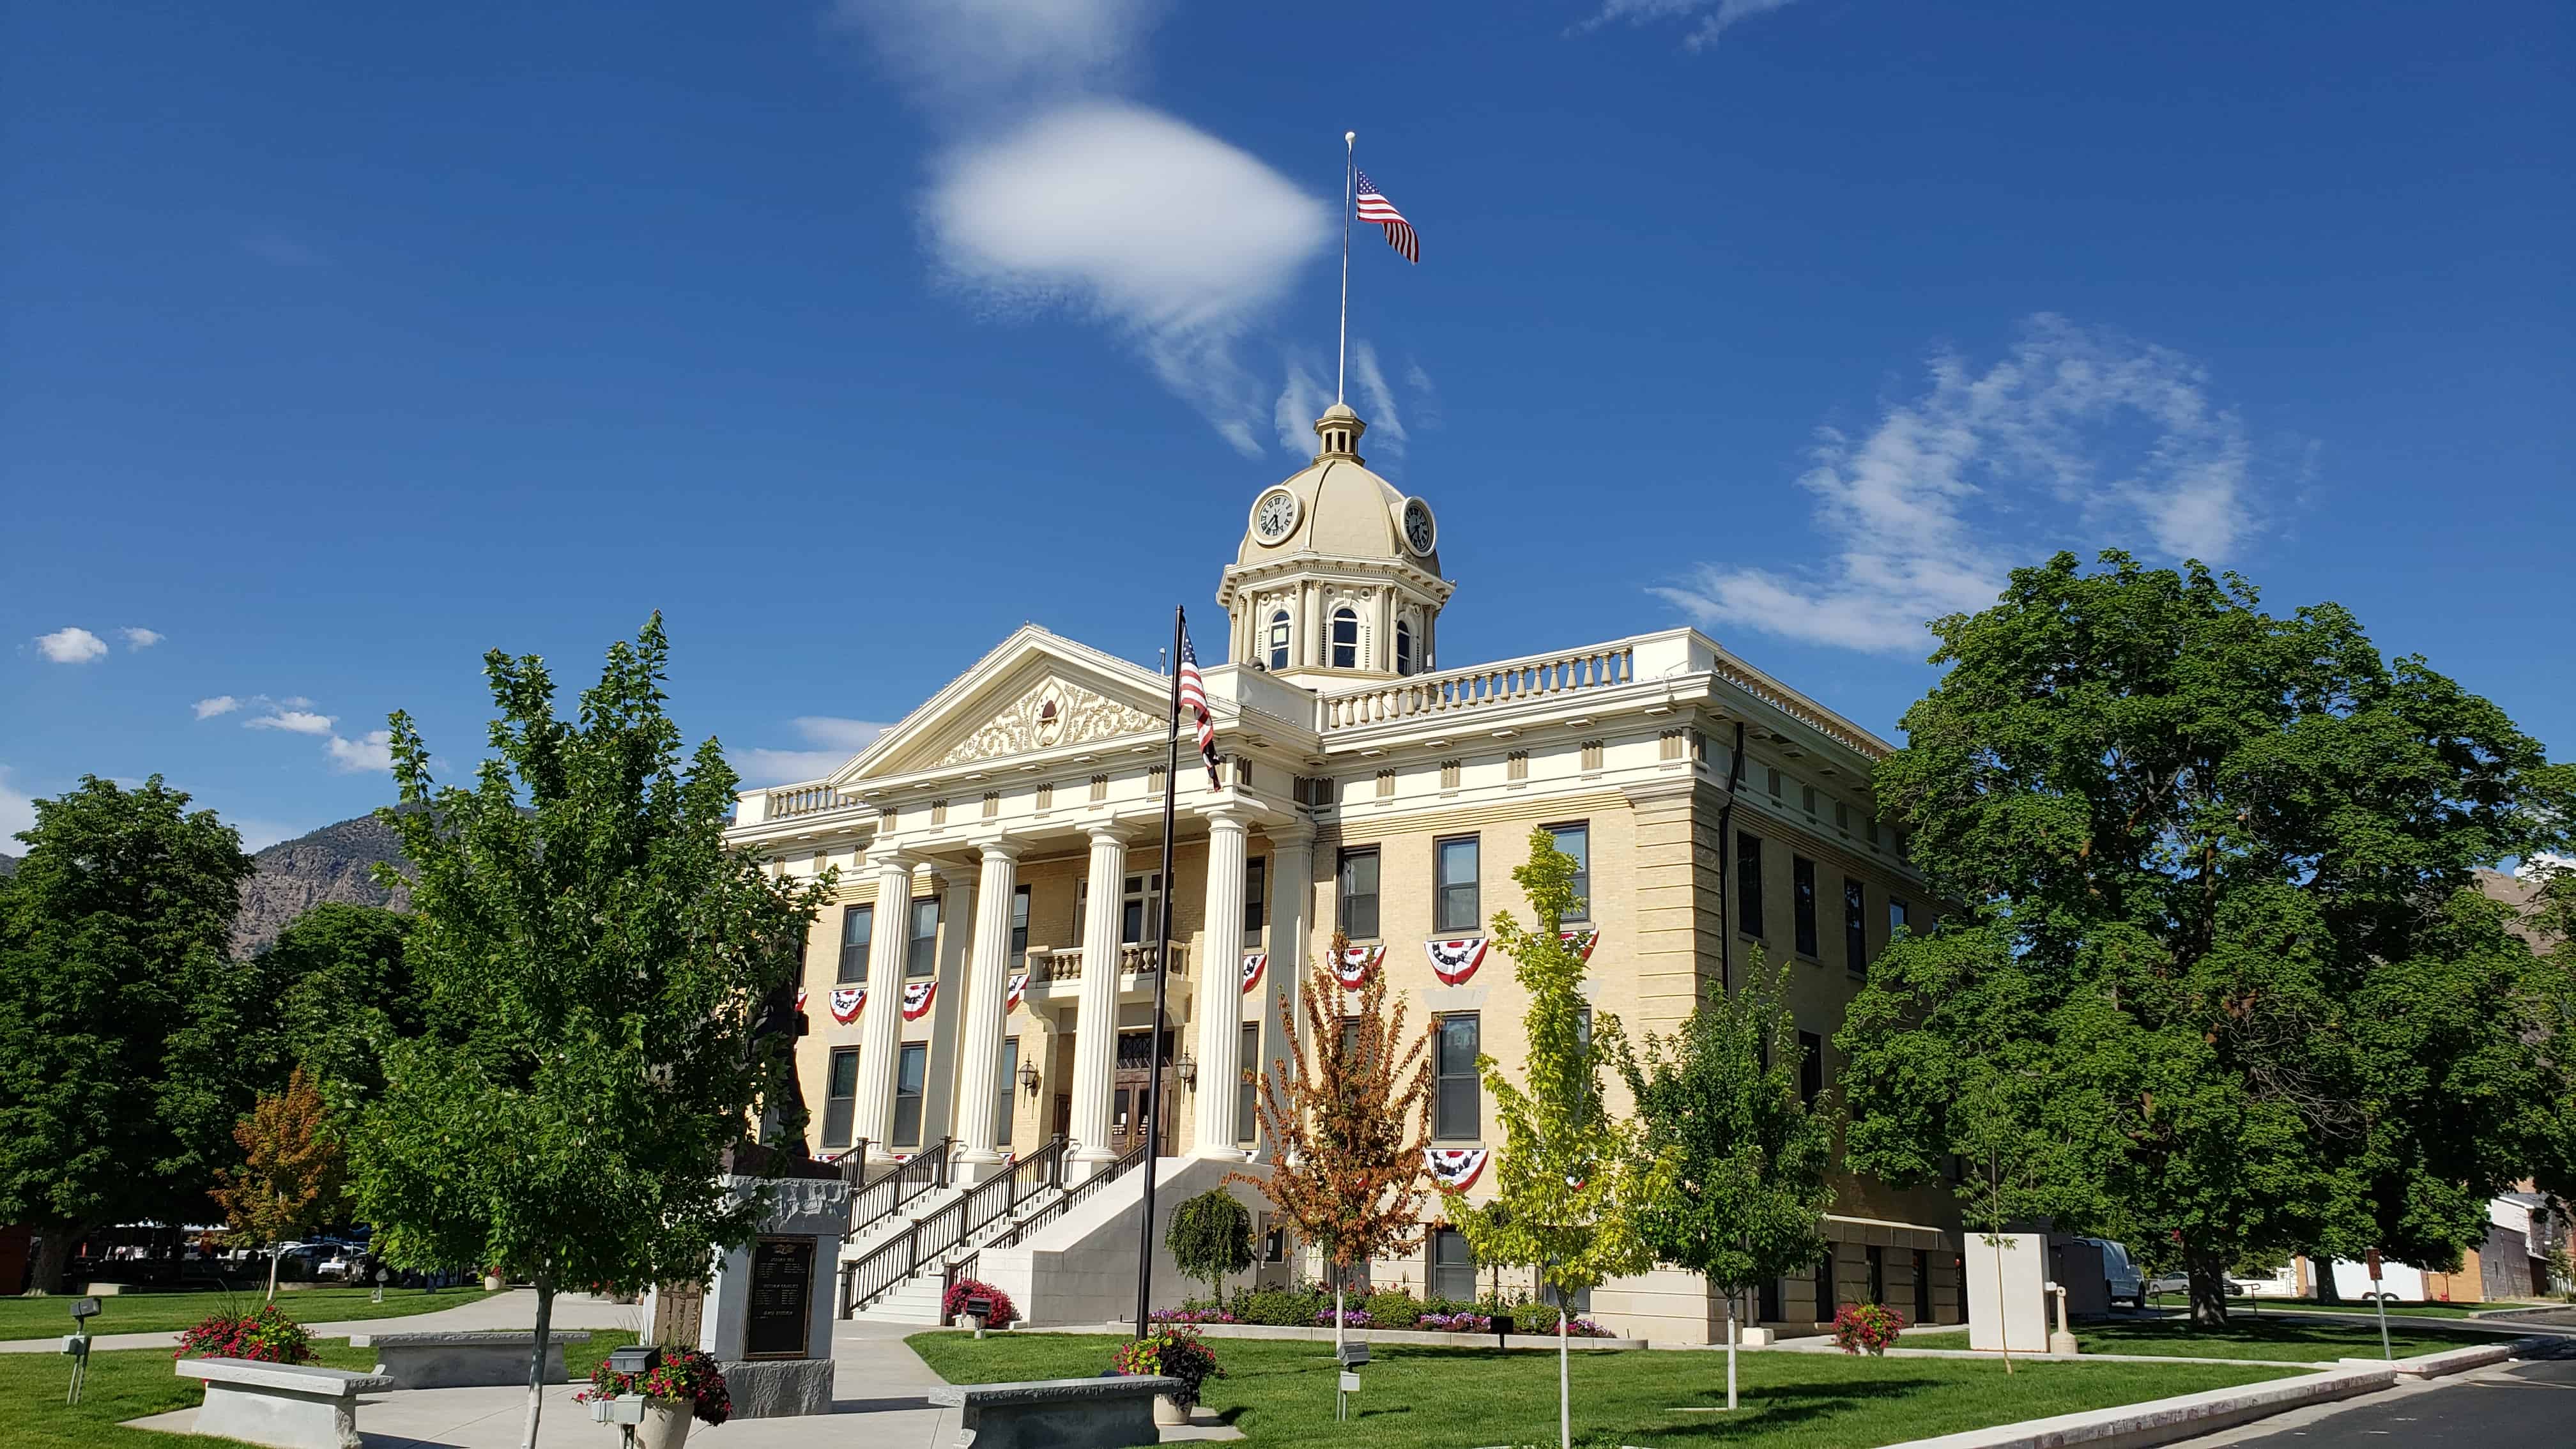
[[1275, 516], [1419, 532]]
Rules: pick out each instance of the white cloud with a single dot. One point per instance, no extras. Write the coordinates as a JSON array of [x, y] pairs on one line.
[[71, 645], [17, 813], [1714, 17], [140, 638], [1301, 401], [220, 704], [971, 54], [374, 752], [293, 721], [1077, 208], [2078, 437], [2538, 864], [838, 738], [1377, 402]]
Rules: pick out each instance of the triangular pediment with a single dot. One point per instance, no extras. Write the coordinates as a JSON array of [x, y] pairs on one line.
[[1036, 694]]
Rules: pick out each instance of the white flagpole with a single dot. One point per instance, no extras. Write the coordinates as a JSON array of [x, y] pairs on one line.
[[1350, 166]]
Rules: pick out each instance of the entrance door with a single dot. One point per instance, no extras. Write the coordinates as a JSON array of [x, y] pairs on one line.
[[1127, 1093]]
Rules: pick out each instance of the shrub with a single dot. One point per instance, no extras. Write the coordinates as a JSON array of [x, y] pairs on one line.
[[1457, 1323], [1392, 1309], [686, 1374], [1174, 1351], [265, 1334], [1210, 1236], [1280, 1307], [1872, 1326], [954, 1302], [1194, 1314]]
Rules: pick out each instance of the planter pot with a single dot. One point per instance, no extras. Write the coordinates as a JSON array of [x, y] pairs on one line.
[[492, 1283], [666, 1424], [1877, 1350], [1167, 1414]]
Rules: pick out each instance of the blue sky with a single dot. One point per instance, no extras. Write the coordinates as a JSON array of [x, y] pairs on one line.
[[343, 343]]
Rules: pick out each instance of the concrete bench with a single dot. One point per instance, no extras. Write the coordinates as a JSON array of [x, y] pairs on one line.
[[281, 1404], [496, 1358], [1101, 1413]]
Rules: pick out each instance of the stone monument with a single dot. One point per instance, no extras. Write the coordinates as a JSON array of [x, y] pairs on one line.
[[767, 1316]]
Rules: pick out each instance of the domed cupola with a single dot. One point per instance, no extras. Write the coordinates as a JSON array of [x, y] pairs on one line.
[[1338, 575]]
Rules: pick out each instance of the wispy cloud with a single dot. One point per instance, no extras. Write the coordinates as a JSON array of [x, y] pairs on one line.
[[17, 813], [2077, 437], [1708, 19], [219, 704], [1303, 397], [1052, 192], [293, 721], [283, 251], [838, 739], [71, 645], [140, 638], [374, 751], [1377, 402]]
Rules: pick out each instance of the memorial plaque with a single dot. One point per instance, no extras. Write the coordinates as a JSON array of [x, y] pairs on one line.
[[781, 1311]]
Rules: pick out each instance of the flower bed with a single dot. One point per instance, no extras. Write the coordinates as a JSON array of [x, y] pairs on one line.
[[1193, 1315], [685, 1374], [1172, 1351], [1351, 1318], [1456, 1323], [1872, 1326], [265, 1334], [954, 1303]]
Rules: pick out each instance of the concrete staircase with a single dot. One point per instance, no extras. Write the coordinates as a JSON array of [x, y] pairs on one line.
[[896, 1266]]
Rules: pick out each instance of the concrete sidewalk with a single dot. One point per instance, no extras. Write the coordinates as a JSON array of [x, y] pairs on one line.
[[515, 1309]]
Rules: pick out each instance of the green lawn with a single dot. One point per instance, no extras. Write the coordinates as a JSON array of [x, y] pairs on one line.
[[1281, 1393], [148, 1312], [2365, 1310], [131, 1383], [2244, 1337]]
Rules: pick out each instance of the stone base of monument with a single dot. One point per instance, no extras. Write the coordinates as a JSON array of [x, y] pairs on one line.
[[779, 1388]]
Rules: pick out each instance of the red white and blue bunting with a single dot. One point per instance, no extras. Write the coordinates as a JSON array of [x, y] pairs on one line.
[[800, 998], [1356, 962], [1253, 964], [1455, 1169], [916, 998], [848, 1002], [1581, 941], [1454, 961], [1015, 992]]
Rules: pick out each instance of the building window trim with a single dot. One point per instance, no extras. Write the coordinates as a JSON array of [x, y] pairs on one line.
[[1355, 908], [858, 929], [911, 1084], [1457, 904], [1458, 1102], [1581, 830]]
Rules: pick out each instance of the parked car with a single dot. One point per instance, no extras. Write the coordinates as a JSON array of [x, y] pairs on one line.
[[2121, 1282]]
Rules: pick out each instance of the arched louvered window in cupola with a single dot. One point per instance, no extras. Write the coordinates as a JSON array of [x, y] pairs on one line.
[[1277, 644], [1346, 638]]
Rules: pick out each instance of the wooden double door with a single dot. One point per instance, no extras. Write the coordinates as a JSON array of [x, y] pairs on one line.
[[1128, 1084]]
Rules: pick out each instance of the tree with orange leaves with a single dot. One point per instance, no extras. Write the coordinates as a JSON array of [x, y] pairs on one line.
[[293, 1178]]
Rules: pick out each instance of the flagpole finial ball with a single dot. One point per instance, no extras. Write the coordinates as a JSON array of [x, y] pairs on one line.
[[1348, 137]]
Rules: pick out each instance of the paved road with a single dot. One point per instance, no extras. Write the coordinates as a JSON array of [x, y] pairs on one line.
[[2522, 1405]]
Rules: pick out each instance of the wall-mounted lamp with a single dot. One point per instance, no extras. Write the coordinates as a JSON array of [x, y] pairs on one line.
[[1187, 1069], [1029, 1078]]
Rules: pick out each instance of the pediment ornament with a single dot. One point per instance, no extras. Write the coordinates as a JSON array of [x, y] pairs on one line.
[[1055, 713]]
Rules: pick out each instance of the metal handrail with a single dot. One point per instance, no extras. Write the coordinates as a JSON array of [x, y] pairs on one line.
[[934, 1237], [887, 1192], [1081, 1193]]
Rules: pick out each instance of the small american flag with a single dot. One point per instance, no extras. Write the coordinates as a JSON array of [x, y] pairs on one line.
[[1373, 206], [1193, 693]]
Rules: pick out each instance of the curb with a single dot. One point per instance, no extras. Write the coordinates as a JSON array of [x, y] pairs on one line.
[[1391, 1336], [2163, 1421], [2450, 1361]]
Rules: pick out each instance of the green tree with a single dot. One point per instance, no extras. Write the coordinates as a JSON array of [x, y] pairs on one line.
[[1347, 1115], [126, 1043], [1575, 1184], [344, 993], [1720, 1101], [1210, 1236], [293, 1178], [593, 958], [2218, 977]]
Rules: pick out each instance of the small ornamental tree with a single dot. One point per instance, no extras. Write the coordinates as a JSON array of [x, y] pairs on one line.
[[1575, 1184], [1210, 1236], [1347, 1116], [1749, 1154], [292, 1180], [596, 963]]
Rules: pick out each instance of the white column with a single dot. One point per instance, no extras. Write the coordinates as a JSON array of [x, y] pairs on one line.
[[1219, 1007], [881, 1022], [1292, 896], [1095, 1026], [948, 1004], [988, 973]]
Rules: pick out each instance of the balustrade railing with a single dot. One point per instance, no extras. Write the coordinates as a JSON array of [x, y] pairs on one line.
[[1780, 697], [1486, 684], [801, 800], [1136, 958]]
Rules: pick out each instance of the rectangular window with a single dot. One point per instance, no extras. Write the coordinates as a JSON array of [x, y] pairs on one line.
[[1139, 910], [921, 952], [1825, 1304], [1457, 904], [1456, 1115], [1807, 797], [1766, 1305], [1247, 1091], [1748, 885], [1576, 840], [1895, 915], [1359, 894], [1256, 899], [911, 1071], [1775, 784], [1877, 1261], [1019, 926], [1453, 1266], [1004, 1104], [1922, 1286], [1811, 1067], [1802, 895], [1855, 927], [840, 1096], [857, 922]]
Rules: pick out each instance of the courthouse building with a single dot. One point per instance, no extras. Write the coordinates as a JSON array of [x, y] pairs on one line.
[[983, 982]]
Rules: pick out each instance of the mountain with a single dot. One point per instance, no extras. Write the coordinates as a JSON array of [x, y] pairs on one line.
[[334, 863], [8, 865]]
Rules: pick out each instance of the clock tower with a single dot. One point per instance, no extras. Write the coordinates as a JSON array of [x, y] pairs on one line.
[[1338, 577]]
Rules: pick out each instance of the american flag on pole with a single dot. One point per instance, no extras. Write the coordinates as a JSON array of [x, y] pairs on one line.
[[1193, 696], [1373, 206]]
